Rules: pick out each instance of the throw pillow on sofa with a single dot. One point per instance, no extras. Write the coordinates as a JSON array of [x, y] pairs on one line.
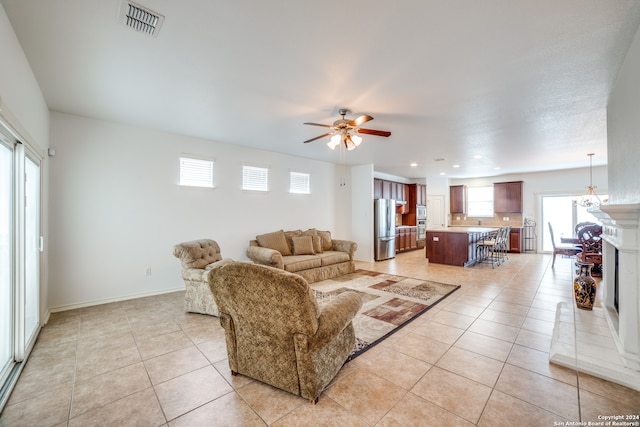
[[327, 244], [303, 245], [317, 240], [276, 241]]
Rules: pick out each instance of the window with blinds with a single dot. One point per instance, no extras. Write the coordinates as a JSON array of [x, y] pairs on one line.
[[299, 183], [255, 178], [196, 172]]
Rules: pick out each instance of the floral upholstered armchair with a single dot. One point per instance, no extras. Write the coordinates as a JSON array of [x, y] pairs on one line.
[[276, 332], [198, 257]]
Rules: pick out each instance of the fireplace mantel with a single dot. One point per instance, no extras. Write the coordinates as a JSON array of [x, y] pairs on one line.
[[620, 232], [605, 342], [616, 219]]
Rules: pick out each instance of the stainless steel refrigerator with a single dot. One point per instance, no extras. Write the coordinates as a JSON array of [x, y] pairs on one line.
[[384, 219]]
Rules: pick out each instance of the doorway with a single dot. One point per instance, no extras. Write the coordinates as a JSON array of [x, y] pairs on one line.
[[20, 248], [563, 213], [435, 212]]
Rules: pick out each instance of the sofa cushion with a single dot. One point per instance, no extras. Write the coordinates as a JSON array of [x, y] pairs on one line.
[[289, 235], [276, 241], [327, 244], [333, 257], [303, 245], [301, 262], [317, 240], [317, 244]]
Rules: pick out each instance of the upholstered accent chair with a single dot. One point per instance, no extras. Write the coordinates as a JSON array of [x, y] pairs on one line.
[[198, 257], [276, 332]]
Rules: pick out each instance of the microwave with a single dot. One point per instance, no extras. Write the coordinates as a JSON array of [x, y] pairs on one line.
[[421, 212]]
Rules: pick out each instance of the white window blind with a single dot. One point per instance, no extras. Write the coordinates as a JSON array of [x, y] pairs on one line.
[[196, 172], [299, 183], [480, 201], [255, 178]]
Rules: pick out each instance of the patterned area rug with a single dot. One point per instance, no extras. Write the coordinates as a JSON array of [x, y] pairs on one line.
[[389, 302]]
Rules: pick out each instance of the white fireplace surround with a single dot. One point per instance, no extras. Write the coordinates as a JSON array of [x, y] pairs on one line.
[[620, 231], [604, 342]]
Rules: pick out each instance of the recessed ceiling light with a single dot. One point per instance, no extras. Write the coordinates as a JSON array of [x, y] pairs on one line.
[[477, 156], [442, 173], [497, 168], [413, 165], [456, 166]]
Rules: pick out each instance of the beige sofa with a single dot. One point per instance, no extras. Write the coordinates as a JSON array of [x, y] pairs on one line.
[[276, 332], [312, 254], [198, 258]]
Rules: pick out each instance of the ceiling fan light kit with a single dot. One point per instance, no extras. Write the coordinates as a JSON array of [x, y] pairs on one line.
[[344, 131]]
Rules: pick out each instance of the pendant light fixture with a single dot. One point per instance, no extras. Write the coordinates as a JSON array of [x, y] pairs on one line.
[[590, 199]]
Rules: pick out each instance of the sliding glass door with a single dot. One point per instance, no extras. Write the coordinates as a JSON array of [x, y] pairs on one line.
[[563, 213], [6, 260], [20, 248], [32, 251]]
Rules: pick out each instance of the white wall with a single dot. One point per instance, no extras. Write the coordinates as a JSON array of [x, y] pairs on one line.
[[623, 129], [19, 89], [23, 106], [116, 208], [362, 210]]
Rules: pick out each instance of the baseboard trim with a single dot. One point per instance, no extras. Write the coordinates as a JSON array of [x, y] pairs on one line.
[[111, 300]]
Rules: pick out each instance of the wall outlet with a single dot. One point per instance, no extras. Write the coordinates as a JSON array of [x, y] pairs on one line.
[[148, 272], [457, 218], [505, 218]]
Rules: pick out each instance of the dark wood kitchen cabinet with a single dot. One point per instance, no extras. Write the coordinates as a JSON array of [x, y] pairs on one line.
[[383, 189], [406, 239], [421, 195], [515, 240], [377, 188], [457, 198], [386, 189], [507, 197]]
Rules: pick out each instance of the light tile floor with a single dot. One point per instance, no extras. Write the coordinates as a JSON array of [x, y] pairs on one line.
[[480, 358]]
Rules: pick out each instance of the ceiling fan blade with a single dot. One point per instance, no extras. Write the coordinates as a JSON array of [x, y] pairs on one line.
[[374, 132], [318, 124], [360, 120], [317, 137]]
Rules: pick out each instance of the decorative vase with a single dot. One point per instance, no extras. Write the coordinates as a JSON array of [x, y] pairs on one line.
[[584, 286]]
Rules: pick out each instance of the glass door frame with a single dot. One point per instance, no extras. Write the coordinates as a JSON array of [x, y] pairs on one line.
[[22, 300], [578, 214]]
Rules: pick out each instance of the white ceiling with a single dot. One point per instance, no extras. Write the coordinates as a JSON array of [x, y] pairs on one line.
[[522, 83]]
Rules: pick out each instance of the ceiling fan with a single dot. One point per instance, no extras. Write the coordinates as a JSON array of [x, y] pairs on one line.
[[345, 130]]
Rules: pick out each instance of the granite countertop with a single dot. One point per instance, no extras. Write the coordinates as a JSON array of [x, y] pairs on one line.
[[465, 229]]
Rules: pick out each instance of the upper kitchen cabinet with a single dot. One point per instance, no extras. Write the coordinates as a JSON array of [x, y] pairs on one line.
[[383, 189], [418, 195], [377, 188], [457, 198], [386, 189], [507, 197]]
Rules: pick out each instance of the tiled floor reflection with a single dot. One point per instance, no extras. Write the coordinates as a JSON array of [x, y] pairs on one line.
[[480, 358]]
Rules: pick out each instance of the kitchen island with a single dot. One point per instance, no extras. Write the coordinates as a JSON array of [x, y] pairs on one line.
[[455, 245]]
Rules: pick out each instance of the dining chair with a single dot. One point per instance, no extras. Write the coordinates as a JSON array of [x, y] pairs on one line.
[[562, 249]]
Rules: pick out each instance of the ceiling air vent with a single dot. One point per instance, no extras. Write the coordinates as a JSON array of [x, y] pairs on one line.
[[140, 18]]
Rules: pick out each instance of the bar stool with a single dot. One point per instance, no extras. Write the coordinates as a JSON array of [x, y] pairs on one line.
[[486, 247]]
